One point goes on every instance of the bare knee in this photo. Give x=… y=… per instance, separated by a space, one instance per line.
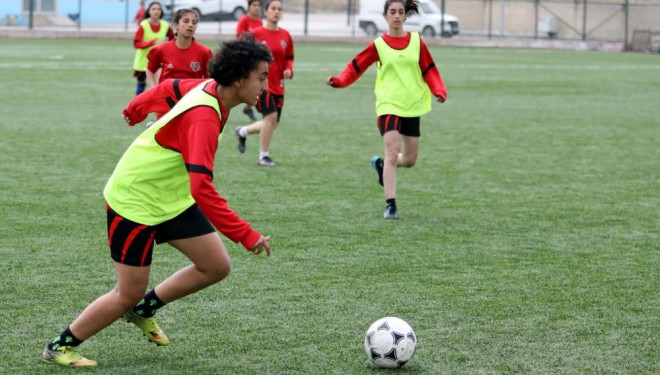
x=273 y=124
x=129 y=297
x=391 y=160
x=408 y=163
x=215 y=272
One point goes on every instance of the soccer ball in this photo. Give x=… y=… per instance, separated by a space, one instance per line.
x=390 y=342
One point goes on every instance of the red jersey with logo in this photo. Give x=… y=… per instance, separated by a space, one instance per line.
x=247 y=24
x=369 y=55
x=192 y=62
x=281 y=47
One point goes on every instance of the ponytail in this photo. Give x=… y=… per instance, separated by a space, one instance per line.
x=410 y=6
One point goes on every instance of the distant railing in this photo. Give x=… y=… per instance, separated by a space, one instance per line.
x=579 y=20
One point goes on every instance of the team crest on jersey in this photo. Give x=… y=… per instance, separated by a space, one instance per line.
x=283 y=43
x=194 y=65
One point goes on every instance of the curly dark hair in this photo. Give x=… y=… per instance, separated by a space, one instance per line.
x=237 y=58
x=411 y=6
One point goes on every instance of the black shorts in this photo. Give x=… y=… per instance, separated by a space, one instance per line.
x=132 y=243
x=269 y=103
x=404 y=125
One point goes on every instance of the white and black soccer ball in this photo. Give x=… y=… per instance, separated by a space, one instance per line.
x=390 y=342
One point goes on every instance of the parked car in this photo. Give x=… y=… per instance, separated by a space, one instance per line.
x=428 y=22
x=209 y=9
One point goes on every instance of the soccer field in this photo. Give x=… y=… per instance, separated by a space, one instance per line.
x=528 y=239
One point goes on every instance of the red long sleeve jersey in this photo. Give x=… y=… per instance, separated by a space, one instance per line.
x=192 y=62
x=195 y=134
x=137 y=39
x=281 y=47
x=369 y=55
x=247 y=24
x=158 y=99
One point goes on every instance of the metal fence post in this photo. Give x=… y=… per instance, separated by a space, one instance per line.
x=306 y=15
x=126 y=16
x=584 y=21
x=490 y=19
x=626 y=12
x=79 y=20
x=536 y=19
x=442 y=18
x=31 y=15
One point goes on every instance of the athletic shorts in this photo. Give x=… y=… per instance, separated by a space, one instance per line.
x=141 y=76
x=404 y=125
x=269 y=103
x=132 y=243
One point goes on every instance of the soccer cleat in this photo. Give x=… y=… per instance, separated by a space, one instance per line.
x=149 y=328
x=249 y=113
x=266 y=161
x=66 y=356
x=240 y=140
x=377 y=163
x=390 y=213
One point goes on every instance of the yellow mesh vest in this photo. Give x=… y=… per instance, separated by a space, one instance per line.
x=140 y=62
x=400 y=88
x=150 y=184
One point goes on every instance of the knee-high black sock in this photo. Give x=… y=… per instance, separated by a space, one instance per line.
x=149 y=304
x=65 y=339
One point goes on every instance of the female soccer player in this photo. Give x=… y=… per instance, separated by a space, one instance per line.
x=162 y=190
x=270 y=103
x=139 y=15
x=407 y=76
x=247 y=23
x=183 y=57
x=251 y=20
x=151 y=32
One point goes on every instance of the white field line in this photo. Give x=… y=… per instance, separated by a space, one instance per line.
x=308 y=66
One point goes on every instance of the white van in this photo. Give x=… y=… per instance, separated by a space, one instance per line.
x=427 y=22
x=231 y=9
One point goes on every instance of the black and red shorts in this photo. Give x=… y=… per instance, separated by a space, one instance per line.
x=132 y=243
x=404 y=125
x=269 y=103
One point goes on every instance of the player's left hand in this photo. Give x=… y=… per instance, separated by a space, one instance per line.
x=288 y=74
x=261 y=245
x=440 y=99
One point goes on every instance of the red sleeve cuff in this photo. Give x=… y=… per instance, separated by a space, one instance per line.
x=251 y=239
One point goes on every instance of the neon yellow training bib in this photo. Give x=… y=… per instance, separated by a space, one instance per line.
x=400 y=88
x=150 y=184
x=140 y=62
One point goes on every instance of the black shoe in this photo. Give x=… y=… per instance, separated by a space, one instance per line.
x=266 y=161
x=249 y=113
x=377 y=163
x=390 y=213
x=240 y=140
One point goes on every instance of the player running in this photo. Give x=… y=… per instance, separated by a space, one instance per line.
x=406 y=79
x=162 y=191
x=271 y=102
x=151 y=32
x=250 y=21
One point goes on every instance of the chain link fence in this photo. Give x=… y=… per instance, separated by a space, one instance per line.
x=632 y=23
